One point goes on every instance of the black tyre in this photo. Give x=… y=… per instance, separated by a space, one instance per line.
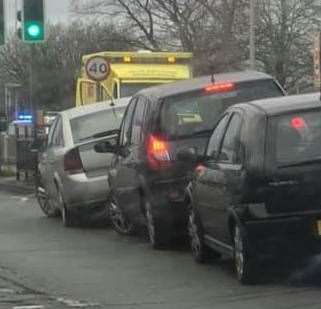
x=119 y=221
x=199 y=250
x=45 y=204
x=69 y=219
x=158 y=228
x=245 y=263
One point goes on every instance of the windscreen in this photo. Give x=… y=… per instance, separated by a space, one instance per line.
x=297 y=137
x=128 y=90
x=86 y=127
x=192 y=113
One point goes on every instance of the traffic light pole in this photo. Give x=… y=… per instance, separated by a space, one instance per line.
x=33 y=104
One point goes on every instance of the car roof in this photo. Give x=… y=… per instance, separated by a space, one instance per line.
x=93 y=108
x=175 y=88
x=283 y=105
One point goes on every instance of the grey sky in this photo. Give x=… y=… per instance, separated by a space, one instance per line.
x=57 y=10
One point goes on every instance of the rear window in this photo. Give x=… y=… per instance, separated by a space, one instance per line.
x=192 y=113
x=85 y=127
x=297 y=137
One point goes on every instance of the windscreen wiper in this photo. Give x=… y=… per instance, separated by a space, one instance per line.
x=101 y=134
x=301 y=163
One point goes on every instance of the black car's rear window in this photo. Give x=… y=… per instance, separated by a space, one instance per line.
x=297 y=137
x=190 y=113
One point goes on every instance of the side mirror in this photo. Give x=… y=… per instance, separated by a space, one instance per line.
x=188 y=155
x=105 y=147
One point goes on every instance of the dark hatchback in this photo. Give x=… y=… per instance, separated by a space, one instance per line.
x=256 y=194
x=147 y=180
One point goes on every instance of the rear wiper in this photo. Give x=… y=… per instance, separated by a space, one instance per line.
x=100 y=134
x=203 y=132
x=301 y=163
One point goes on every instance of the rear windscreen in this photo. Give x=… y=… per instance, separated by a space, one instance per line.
x=297 y=137
x=85 y=127
x=191 y=113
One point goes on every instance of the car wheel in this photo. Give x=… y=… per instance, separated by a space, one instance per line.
x=159 y=233
x=118 y=219
x=196 y=236
x=245 y=265
x=43 y=200
x=68 y=218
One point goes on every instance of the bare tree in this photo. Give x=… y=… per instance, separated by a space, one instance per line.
x=284 y=39
x=55 y=63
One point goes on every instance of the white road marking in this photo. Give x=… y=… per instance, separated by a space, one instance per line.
x=29 y=307
x=76 y=303
x=7 y=291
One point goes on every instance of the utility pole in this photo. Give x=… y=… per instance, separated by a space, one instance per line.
x=252 y=35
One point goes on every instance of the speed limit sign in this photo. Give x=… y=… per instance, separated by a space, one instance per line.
x=97 y=68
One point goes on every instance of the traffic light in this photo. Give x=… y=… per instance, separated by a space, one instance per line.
x=2 y=23
x=33 y=21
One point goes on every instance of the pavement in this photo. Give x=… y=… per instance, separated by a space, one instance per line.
x=44 y=265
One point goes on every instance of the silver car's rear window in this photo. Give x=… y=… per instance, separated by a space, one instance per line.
x=85 y=127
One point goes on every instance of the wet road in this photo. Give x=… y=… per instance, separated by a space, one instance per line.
x=96 y=268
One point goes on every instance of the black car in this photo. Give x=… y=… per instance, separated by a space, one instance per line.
x=147 y=181
x=256 y=193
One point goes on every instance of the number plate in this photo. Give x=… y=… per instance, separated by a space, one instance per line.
x=319 y=227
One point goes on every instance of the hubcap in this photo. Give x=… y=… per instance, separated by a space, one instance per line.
x=194 y=236
x=239 y=254
x=118 y=219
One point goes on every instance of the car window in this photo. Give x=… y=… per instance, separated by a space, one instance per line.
x=216 y=138
x=190 y=113
x=138 y=121
x=126 y=125
x=297 y=137
x=86 y=127
x=57 y=139
x=231 y=142
x=52 y=131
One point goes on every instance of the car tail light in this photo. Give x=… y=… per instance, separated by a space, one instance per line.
x=220 y=87
x=200 y=170
x=72 y=162
x=157 y=152
x=298 y=123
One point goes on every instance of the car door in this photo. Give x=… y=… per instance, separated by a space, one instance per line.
x=43 y=158
x=55 y=155
x=224 y=179
x=121 y=175
x=202 y=185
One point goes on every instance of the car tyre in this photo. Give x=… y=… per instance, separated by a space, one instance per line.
x=159 y=232
x=43 y=200
x=245 y=264
x=119 y=222
x=200 y=251
x=68 y=218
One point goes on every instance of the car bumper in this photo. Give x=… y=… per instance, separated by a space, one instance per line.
x=81 y=191
x=285 y=234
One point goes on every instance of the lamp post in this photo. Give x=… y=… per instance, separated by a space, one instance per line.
x=252 y=35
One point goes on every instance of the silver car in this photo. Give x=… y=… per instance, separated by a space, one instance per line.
x=72 y=177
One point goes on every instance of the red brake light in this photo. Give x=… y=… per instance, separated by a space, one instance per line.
x=222 y=87
x=157 y=152
x=72 y=162
x=200 y=170
x=298 y=123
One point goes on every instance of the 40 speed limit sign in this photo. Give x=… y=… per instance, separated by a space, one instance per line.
x=97 y=68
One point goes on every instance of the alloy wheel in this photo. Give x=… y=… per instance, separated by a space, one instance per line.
x=238 y=252
x=118 y=219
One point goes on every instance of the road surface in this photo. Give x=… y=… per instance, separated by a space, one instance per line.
x=44 y=265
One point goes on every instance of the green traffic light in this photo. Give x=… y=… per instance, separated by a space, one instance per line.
x=34 y=30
